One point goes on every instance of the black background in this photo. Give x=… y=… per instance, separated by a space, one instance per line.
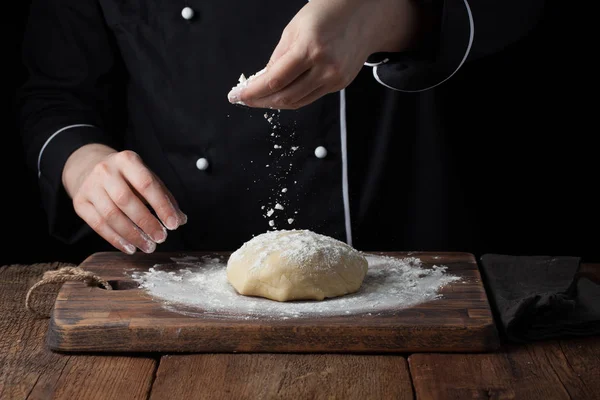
x=546 y=202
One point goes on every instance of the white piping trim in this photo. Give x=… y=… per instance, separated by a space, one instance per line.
x=52 y=137
x=370 y=64
x=343 y=141
x=471 y=36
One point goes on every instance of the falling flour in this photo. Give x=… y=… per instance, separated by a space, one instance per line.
x=283 y=146
x=279 y=202
x=199 y=287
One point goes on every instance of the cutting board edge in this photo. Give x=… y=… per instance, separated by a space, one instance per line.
x=482 y=338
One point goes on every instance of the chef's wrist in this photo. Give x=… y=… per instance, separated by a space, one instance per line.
x=81 y=162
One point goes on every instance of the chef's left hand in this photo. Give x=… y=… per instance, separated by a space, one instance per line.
x=324 y=47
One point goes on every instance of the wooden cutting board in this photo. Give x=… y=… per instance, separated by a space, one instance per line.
x=128 y=319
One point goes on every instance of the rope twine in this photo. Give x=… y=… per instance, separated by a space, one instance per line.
x=62 y=275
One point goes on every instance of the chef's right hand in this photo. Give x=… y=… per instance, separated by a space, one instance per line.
x=111 y=191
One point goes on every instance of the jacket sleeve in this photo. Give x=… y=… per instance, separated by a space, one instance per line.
x=67 y=98
x=467 y=30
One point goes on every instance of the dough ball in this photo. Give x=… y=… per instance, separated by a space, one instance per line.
x=287 y=265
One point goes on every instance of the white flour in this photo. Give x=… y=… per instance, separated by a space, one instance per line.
x=243 y=82
x=199 y=287
x=283 y=146
x=298 y=246
x=279 y=205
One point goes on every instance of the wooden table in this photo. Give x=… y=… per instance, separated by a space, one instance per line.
x=555 y=369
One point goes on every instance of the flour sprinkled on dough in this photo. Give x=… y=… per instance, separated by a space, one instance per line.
x=297 y=246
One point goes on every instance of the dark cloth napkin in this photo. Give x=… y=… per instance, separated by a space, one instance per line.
x=541 y=297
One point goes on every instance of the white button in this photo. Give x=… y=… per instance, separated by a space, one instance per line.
x=321 y=152
x=202 y=164
x=187 y=13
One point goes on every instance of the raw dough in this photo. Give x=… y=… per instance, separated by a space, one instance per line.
x=287 y=265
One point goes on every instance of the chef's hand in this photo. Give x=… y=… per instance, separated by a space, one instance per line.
x=324 y=47
x=110 y=191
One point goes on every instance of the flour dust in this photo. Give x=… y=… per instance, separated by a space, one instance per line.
x=199 y=287
x=279 y=209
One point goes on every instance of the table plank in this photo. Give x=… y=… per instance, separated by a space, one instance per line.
x=268 y=376
x=28 y=370
x=567 y=369
x=86 y=377
x=591 y=271
x=583 y=357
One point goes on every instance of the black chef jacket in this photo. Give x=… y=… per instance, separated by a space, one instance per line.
x=153 y=76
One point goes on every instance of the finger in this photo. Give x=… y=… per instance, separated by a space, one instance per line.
x=278 y=76
x=182 y=217
x=119 y=222
x=284 y=45
x=304 y=85
x=87 y=212
x=150 y=188
x=311 y=97
x=131 y=205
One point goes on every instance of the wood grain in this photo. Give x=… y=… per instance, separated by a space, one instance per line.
x=545 y=370
x=590 y=271
x=97 y=320
x=581 y=372
x=29 y=370
x=282 y=376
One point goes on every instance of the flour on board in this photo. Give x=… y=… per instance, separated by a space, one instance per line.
x=201 y=288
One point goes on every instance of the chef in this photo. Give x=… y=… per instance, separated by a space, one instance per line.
x=132 y=126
